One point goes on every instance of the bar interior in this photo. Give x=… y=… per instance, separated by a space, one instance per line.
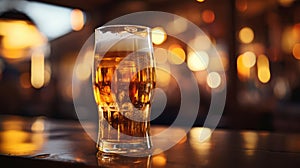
x=245 y=69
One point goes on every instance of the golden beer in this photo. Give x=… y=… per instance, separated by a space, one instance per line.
x=123 y=94
x=123 y=82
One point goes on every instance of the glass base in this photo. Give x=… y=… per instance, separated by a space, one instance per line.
x=116 y=160
x=125 y=148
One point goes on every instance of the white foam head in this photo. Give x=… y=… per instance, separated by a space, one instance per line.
x=121 y=41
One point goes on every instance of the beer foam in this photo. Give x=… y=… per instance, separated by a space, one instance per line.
x=123 y=41
x=109 y=36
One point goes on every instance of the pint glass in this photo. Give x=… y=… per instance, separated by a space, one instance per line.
x=123 y=83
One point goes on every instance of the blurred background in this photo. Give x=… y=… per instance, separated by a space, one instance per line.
x=258 y=42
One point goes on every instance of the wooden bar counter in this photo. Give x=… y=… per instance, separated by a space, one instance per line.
x=41 y=142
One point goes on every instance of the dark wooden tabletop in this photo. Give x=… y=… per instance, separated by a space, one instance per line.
x=42 y=142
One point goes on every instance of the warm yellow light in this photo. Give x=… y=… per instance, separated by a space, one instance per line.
x=197 y=61
x=263 y=69
x=286 y=3
x=38 y=125
x=200 y=142
x=243 y=71
x=246 y=35
x=77 y=19
x=200 y=134
x=262 y=61
x=250 y=142
x=18 y=37
x=20 y=34
x=176 y=54
x=18 y=142
x=14 y=54
x=208 y=16
x=200 y=0
x=263 y=74
x=37 y=69
x=213 y=80
x=16 y=34
x=249 y=59
x=159 y=160
x=296 y=51
x=158 y=35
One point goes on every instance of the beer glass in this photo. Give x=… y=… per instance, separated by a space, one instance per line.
x=123 y=84
x=108 y=160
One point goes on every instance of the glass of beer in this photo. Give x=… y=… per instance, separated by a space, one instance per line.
x=123 y=84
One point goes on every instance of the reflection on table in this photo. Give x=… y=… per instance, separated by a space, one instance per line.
x=44 y=142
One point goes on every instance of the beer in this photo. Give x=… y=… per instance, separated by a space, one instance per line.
x=123 y=81
x=123 y=84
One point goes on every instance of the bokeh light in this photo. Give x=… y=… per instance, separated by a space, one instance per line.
x=208 y=16
x=158 y=35
x=200 y=134
x=296 y=51
x=213 y=80
x=19 y=142
x=263 y=74
x=176 y=54
x=248 y=59
x=77 y=19
x=159 y=160
x=37 y=69
x=243 y=71
x=286 y=3
x=197 y=61
x=263 y=69
x=246 y=35
x=18 y=38
x=27 y=35
x=38 y=125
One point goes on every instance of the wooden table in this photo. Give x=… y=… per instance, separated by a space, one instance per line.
x=41 y=142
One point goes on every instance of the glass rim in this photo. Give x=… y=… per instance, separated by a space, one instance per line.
x=122 y=25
